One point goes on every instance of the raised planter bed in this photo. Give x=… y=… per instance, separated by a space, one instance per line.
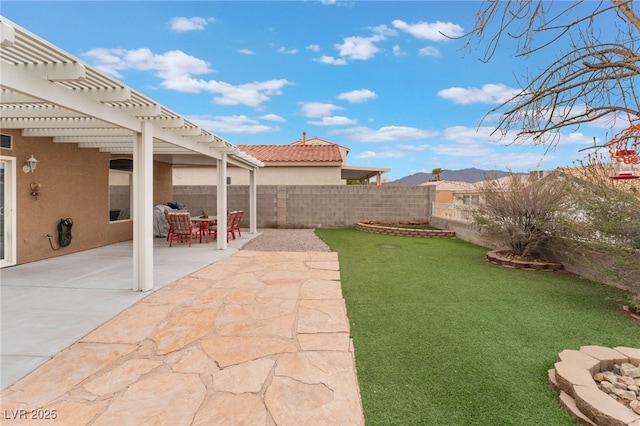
x=500 y=257
x=404 y=232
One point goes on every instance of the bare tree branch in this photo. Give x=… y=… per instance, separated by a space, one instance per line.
x=595 y=78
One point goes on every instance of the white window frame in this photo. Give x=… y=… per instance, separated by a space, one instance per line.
x=130 y=178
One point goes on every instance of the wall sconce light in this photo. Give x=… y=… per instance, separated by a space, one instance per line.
x=35 y=189
x=30 y=167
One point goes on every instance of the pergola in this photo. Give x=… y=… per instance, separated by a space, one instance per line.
x=47 y=92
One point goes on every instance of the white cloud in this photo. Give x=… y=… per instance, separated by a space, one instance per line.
x=331 y=60
x=318 y=109
x=487 y=134
x=359 y=48
x=313 y=48
x=413 y=148
x=463 y=150
x=250 y=94
x=514 y=161
x=247 y=51
x=182 y=24
x=488 y=94
x=272 y=117
x=368 y=155
x=387 y=133
x=177 y=70
x=467 y=135
x=576 y=139
x=287 y=51
x=175 y=64
x=333 y=121
x=356 y=96
x=397 y=51
x=383 y=30
x=437 y=31
x=233 y=124
x=480 y=149
x=429 y=51
x=169 y=65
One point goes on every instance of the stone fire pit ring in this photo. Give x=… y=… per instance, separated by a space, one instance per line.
x=572 y=377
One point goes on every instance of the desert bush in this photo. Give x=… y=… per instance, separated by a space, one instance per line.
x=605 y=226
x=520 y=211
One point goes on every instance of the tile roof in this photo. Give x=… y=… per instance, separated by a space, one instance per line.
x=294 y=153
x=316 y=141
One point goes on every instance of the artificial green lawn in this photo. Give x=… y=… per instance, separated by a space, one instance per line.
x=444 y=338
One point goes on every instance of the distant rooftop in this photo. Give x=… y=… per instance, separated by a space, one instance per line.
x=295 y=153
x=312 y=152
x=448 y=185
x=315 y=141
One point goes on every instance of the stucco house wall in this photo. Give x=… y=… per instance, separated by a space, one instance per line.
x=272 y=175
x=75 y=184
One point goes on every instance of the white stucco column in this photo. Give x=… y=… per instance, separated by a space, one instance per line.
x=143 y=209
x=253 y=209
x=222 y=202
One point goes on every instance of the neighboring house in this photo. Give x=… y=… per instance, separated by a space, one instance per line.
x=78 y=144
x=455 y=200
x=450 y=201
x=311 y=161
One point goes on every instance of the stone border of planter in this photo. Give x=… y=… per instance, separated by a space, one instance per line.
x=572 y=378
x=496 y=257
x=628 y=313
x=404 y=232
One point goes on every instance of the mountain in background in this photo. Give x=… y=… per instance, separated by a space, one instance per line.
x=465 y=175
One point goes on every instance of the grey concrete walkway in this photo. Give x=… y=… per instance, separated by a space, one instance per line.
x=50 y=304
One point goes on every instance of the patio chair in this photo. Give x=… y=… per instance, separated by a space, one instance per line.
x=180 y=228
x=166 y=215
x=236 y=222
x=231 y=220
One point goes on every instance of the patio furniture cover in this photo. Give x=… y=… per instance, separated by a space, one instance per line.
x=160 y=223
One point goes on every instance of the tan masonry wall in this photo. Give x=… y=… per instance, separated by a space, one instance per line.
x=321 y=206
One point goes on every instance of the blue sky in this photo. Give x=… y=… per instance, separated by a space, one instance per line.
x=375 y=76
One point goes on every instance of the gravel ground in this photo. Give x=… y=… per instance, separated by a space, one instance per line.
x=286 y=240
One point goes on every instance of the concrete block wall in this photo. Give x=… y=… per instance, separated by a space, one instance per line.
x=581 y=267
x=344 y=206
x=464 y=230
x=322 y=206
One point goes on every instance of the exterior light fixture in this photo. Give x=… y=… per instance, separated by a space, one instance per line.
x=31 y=165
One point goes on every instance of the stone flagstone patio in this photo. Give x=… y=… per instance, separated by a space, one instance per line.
x=259 y=338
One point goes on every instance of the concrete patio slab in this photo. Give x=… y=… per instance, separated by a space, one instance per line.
x=48 y=305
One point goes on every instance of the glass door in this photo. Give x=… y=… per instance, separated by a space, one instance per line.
x=7 y=211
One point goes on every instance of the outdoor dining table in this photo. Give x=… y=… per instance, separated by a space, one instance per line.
x=204 y=225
